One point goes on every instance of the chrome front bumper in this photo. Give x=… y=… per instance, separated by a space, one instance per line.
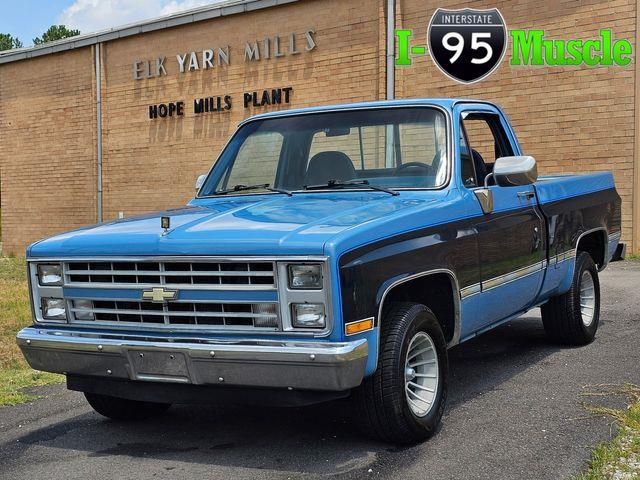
x=306 y=365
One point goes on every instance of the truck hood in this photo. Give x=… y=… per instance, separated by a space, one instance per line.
x=244 y=225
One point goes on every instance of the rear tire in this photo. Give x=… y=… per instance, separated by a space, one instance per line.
x=412 y=356
x=124 y=409
x=572 y=318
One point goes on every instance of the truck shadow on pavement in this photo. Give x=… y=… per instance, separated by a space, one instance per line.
x=318 y=439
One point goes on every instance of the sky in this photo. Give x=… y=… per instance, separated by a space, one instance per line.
x=27 y=19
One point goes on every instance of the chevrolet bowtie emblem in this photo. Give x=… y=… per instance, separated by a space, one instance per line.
x=159 y=295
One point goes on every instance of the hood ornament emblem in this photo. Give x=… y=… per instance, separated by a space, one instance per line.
x=165 y=223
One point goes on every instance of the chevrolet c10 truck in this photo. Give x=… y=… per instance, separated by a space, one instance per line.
x=330 y=252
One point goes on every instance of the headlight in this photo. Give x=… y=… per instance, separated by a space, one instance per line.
x=308 y=315
x=54 y=309
x=49 y=274
x=82 y=309
x=305 y=277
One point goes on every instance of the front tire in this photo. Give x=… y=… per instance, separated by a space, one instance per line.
x=572 y=318
x=124 y=409
x=403 y=401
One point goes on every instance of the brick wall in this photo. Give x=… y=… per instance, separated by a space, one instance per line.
x=153 y=164
x=47 y=147
x=571 y=119
x=47 y=111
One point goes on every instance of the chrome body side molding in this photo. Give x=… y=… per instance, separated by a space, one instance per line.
x=512 y=276
x=470 y=290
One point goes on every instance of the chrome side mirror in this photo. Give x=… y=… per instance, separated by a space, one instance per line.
x=200 y=181
x=515 y=171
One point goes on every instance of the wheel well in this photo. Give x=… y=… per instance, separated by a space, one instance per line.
x=436 y=291
x=594 y=244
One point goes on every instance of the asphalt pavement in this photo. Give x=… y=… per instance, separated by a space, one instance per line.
x=516 y=410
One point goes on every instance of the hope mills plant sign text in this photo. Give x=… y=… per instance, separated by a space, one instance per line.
x=222 y=103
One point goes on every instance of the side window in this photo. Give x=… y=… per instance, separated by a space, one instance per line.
x=469 y=178
x=257 y=161
x=487 y=139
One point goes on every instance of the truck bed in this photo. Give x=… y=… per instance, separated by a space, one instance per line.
x=554 y=188
x=575 y=206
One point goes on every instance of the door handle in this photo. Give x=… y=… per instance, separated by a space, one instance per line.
x=527 y=195
x=536 y=239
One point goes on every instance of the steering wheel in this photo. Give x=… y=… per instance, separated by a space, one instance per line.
x=415 y=165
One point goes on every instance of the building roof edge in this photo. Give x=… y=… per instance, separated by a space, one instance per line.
x=230 y=7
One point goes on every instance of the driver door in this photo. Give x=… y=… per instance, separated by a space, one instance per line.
x=511 y=238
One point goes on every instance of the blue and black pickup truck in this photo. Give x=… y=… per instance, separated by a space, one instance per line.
x=330 y=252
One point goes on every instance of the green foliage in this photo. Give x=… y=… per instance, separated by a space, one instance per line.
x=7 y=42
x=55 y=32
x=15 y=313
x=620 y=458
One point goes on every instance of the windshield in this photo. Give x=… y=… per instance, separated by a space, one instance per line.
x=392 y=148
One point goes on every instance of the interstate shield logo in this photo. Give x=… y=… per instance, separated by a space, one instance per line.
x=467 y=45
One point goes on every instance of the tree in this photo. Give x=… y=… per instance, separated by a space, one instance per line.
x=7 y=42
x=55 y=32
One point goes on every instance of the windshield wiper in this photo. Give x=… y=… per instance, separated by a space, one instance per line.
x=351 y=183
x=242 y=188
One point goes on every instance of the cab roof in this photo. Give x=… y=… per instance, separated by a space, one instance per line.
x=446 y=103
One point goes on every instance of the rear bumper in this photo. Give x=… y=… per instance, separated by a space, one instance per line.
x=305 y=365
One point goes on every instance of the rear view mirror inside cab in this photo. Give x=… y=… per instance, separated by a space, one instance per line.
x=337 y=132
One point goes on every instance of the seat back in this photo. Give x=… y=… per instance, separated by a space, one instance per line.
x=481 y=168
x=330 y=165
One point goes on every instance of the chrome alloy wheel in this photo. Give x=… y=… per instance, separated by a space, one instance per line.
x=587 y=298
x=421 y=374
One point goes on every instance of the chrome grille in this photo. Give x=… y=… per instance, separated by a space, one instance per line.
x=259 y=274
x=124 y=312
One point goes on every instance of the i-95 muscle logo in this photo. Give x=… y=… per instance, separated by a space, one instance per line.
x=467 y=45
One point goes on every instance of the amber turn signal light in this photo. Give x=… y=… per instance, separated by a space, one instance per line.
x=359 y=326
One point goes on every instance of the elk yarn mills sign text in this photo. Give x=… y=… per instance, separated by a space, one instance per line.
x=210 y=58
